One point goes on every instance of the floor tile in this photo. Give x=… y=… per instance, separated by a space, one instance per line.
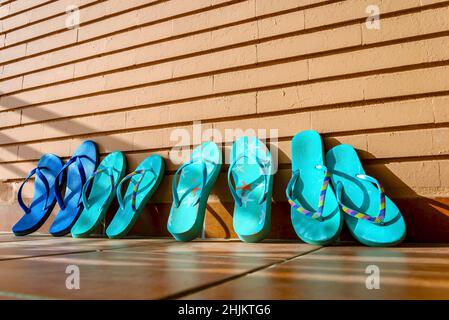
x=63 y=245
x=122 y=275
x=233 y=248
x=340 y=273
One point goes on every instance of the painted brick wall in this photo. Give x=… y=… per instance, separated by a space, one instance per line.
x=135 y=70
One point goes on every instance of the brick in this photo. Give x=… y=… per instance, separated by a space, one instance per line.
x=376 y=116
x=12 y=52
x=309 y=43
x=262 y=76
x=413 y=143
x=432 y=50
x=441 y=109
x=11 y=85
x=407 y=83
x=52 y=42
x=290 y=22
x=10 y=118
x=48 y=76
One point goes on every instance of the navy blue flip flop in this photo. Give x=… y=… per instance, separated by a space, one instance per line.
x=44 y=198
x=76 y=172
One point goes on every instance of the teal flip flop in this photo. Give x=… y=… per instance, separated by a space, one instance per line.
x=372 y=218
x=315 y=214
x=190 y=194
x=252 y=171
x=105 y=179
x=144 y=182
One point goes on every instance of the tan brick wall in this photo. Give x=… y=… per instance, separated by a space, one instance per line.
x=135 y=70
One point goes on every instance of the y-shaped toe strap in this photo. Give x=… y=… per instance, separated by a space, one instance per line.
x=108 y=171
x=81 y=171
x=359 y=215
x=38 y=172
x=263 y=166
x=296 y=204
x=140 y=172
x=176 y=199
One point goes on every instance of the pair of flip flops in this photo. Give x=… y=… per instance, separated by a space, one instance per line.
x=50 y=174
x=318 y=211
x=250 y=169
x=107 y=183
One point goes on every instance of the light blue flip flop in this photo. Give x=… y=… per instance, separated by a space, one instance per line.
x=372 y=218
x=105 y=179
x=44 y=199
x=144 y=182
x=251 y=169
x=76 y=170
x=190 y=194
x=315 y=214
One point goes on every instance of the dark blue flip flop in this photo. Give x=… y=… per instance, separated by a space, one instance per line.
x=44 y=199
x=76 y=170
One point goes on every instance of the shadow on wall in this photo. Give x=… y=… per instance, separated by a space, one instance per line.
x=427 y=219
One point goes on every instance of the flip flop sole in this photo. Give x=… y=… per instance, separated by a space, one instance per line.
x=33 y=220
x=307 y=153
x=124 y=219
x=65 y=219
x=251 y=220
x=364 y=197
x=101 y=195
x=186 y=222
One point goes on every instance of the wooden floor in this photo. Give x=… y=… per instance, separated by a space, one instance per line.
x=34 y=267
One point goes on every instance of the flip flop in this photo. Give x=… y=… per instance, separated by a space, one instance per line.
x=372 y=218
x=190 y=194
x=76 y=170
x=105 y=179
x=251 y=170
x=144 y=182
x=44 y=199
x=315 y=214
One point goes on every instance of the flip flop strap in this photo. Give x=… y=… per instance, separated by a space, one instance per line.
x=81 y=171
x=296 y=204
x=140 y=172
x=105 y=170
x=360 y=215
x=36 y=171
x=176 y=199
x=236 y=197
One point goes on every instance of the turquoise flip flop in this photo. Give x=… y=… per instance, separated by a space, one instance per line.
x=315 y=214
x=44 y=198
x=144 y=182
x=105 y=179
x=190 y=194
x=372 y=218
x=252 y=171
